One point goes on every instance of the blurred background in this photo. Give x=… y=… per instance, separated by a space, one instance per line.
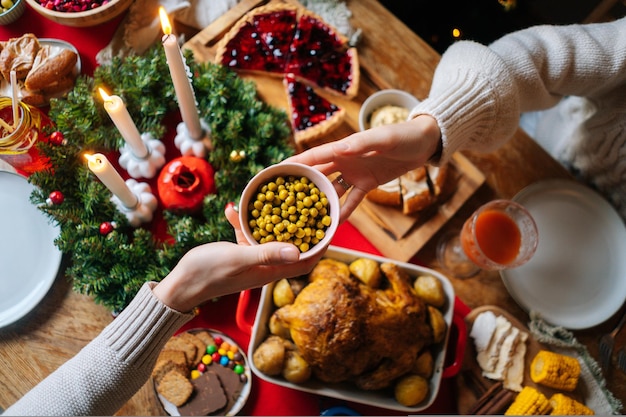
x=442 y=22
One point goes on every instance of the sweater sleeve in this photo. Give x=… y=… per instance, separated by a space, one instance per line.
x=478 y=92
x=107 y=372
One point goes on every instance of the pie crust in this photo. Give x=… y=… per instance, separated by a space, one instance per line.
x=410 y=191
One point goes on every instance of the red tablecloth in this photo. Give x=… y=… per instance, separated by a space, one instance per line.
x=265 y=398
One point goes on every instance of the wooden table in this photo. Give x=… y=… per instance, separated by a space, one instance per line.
x=396 y=57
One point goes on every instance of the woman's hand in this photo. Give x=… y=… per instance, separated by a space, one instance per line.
x=374 y=157
x=215 y=269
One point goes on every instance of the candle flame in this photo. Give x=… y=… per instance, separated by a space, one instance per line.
x=104 y=95
x=91 y=158
x=165 y=21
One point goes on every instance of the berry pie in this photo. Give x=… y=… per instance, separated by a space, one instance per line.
x=290 y=41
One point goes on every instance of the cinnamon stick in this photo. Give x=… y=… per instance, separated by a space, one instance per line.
x=484 y=399
x=499 y=403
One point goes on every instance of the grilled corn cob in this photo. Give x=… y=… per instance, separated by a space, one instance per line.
x=555 y=370
x=562 y=405
x=529 y=402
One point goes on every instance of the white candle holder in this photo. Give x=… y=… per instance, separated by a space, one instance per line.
x=190 y=146
x=147 y=166
x=143 y=211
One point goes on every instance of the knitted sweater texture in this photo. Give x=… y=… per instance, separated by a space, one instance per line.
x=478 y=93
x=107 y=372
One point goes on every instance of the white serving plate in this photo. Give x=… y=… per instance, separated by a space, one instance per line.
x=29 y=259
x=577 y=277
x=347 y=391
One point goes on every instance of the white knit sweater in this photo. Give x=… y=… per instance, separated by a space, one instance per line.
x=107 y=372
x=479 y=92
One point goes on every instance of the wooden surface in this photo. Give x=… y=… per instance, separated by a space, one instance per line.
x=395 y=57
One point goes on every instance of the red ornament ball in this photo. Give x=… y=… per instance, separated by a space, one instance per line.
x=106 y=228
x=56 y=197
x=184 y=182
x=57 y=138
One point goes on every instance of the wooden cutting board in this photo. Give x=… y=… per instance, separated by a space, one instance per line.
x=471 y=373
x=394 y=234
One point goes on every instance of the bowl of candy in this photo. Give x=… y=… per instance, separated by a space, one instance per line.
x=80 y=13
x=11 y=10
x=293 y=203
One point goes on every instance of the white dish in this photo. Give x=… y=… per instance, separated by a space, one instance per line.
x=576 y=279
x=172 y=410
x=347 y=391
x=29 y=260
x=56 y=45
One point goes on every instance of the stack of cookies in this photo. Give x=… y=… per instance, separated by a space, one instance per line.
x=196 y=381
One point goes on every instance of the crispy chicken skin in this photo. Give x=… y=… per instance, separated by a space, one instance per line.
x=348 y=331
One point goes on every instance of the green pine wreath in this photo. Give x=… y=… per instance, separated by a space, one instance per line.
x=112 y=267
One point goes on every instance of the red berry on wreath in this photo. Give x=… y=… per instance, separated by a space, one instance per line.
x=184 y=182
x=55 y=197
x=106 y=228
x=57 y=138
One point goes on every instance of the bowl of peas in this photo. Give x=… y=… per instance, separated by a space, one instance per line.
x=293 y=203
x=11 y=10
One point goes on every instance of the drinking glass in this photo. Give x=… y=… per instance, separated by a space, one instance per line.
x=499 y=235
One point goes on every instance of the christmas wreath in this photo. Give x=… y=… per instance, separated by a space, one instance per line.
x=112 y=263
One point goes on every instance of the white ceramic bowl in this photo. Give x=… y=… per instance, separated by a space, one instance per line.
x=13 y=13
x=382 y=98
x=298 y=170
x=347 y=391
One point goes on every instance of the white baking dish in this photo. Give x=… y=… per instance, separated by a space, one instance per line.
x=346 y=391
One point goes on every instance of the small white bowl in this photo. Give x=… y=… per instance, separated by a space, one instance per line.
x=13 y=13
x=298 y=170
x=388 y=97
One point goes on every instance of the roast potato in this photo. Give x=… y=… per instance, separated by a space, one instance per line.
x=430 y=289
x=283 y=294
x=296 y=369
x=411 y=389
x=424 y=364
x=438 y=323
x=367 y=271
x=269 y=357
x=278 y=328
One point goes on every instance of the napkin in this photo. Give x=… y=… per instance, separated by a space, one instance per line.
x=599 y=398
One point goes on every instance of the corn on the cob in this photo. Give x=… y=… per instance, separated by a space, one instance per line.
x=562 y=405
x=555 y=370
x=529 y=402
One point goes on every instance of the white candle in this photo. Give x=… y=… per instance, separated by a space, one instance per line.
x=100 y=165
x=121 y=118
x=182 y=83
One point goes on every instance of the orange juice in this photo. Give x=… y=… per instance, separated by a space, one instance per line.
x=497 y=235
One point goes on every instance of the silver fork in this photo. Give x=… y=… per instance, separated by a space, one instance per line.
x=607 y=342
x=621 y=359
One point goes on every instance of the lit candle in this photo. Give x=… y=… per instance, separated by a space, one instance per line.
x=182 y=83
x=119 y=114
x=100 y=165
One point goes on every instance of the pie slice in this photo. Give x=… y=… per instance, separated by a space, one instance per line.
x=321 y=55
x=411 y=190
x=283 y=38
x=260 y=40
x=311 y=115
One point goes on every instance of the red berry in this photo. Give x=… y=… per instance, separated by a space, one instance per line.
x=106 y=228
x=56 y=197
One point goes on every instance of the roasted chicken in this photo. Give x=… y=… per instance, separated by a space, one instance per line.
x=348 y=331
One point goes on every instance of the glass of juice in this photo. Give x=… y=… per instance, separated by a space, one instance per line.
x=499 y=235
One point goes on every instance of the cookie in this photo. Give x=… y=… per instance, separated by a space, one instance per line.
x=188 y=348
x=175 y=388
x=169 y=360
x=198 y=343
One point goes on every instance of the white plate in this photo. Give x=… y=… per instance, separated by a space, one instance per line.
x=29 y=260
x=172 y=410
x=55 y=45
x=577 y=277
